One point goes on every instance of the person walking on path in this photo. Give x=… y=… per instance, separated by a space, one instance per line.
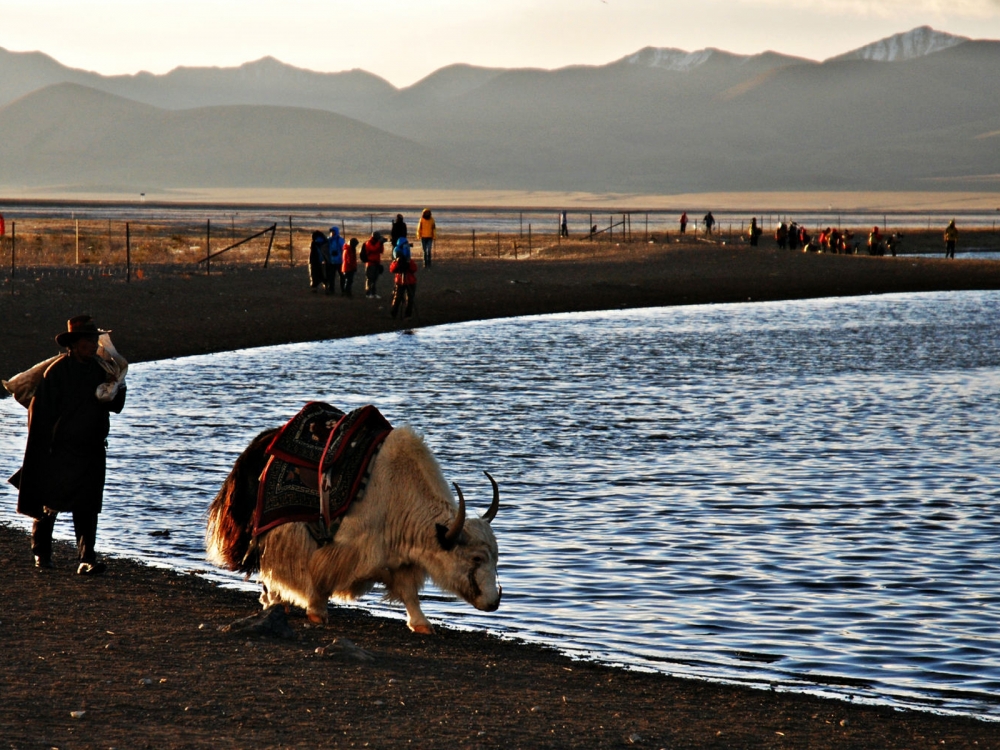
x=66 y=452
x=398 y=230
x=781 y=236
x=349 y=267
x=875 y=242
x=950 y=238
x=709 y=223
x=371 y=256
x=405 y=277
x=334 y=259
x=317 y=258
x=684 y=222
x=427 y=232
x=755 y=232
x=563 y=226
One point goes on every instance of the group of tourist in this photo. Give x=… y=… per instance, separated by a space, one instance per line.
x=333 y=262
x=791 y=236
x=833 y=240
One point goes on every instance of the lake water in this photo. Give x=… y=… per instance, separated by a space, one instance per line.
x=360 y=220
x=801 y=495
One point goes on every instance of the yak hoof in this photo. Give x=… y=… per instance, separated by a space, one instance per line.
x=316 y=618
x=424 y=628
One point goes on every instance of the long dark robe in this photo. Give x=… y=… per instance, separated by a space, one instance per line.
x=65 y=457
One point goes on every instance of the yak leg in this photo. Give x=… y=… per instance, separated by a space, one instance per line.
x=319 y=597
x=330 y=570
x=286 y=566
x=404 y=584
x=415 y=618
x=268 y=598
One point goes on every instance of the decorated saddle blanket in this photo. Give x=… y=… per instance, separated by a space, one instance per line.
x=303 y=437
x=318 y=465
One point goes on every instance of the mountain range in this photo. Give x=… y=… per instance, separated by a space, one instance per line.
x=914 y=111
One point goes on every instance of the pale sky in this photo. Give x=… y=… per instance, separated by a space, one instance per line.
x=404 y=40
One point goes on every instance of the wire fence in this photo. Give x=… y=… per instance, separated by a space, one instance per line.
x=132 y=242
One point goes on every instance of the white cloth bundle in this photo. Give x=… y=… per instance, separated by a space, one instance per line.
x=23 y=385
x=114 y=364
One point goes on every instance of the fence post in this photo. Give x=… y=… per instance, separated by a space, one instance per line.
x=529 y=240
x=13 y=252
x=498 y=245
x=77 y=242
x=128 y=254
x=473 y=244
x=291 y=246
x=208 y=248
x=270 y=243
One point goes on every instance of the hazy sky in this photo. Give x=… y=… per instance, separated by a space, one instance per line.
x=404 y=40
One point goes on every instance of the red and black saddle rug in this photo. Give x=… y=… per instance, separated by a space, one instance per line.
x=320 y=448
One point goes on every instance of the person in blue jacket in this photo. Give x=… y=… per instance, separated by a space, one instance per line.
x=334 y=259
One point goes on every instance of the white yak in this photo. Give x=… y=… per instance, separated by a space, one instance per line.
x=404 y=528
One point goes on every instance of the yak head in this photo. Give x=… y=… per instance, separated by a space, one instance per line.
x=467 y=562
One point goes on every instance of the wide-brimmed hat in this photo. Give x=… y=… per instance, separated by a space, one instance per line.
x=81 y=325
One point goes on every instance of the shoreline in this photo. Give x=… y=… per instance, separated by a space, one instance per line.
x=183 y=312
x=95 y=663
x=140 y=651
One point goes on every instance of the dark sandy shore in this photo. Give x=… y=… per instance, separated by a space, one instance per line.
x=140 y=651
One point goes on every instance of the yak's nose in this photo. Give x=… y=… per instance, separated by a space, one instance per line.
x=496 y=605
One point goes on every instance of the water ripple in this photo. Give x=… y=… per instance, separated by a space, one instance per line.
x=798 y=493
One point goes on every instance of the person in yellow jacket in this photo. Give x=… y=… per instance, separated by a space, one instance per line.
x=950 y=237
x=427 y=232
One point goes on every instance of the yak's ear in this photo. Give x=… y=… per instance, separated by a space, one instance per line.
x=442 y=534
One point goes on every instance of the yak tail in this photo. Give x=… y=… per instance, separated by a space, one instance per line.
x=229 y=534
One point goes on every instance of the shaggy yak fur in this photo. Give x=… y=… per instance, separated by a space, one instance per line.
x=404 y=528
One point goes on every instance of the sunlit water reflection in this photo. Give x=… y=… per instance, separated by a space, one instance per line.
x=800 y=494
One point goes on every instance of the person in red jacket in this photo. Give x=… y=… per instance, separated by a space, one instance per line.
x=348 y=267
x=371 y=256
x=405 y=277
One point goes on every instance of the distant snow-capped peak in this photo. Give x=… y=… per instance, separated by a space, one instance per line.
x=670 y=59
x=919 y=42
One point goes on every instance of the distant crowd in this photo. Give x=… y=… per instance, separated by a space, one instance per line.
x=334 y=261
x=791 y=236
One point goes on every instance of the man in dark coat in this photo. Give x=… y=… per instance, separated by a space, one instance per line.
x=65 y=456
x=398 y=230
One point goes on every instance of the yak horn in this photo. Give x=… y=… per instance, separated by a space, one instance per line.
x=451 y=536
x=491 y=512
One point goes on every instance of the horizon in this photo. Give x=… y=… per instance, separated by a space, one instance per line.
x=125 y=37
